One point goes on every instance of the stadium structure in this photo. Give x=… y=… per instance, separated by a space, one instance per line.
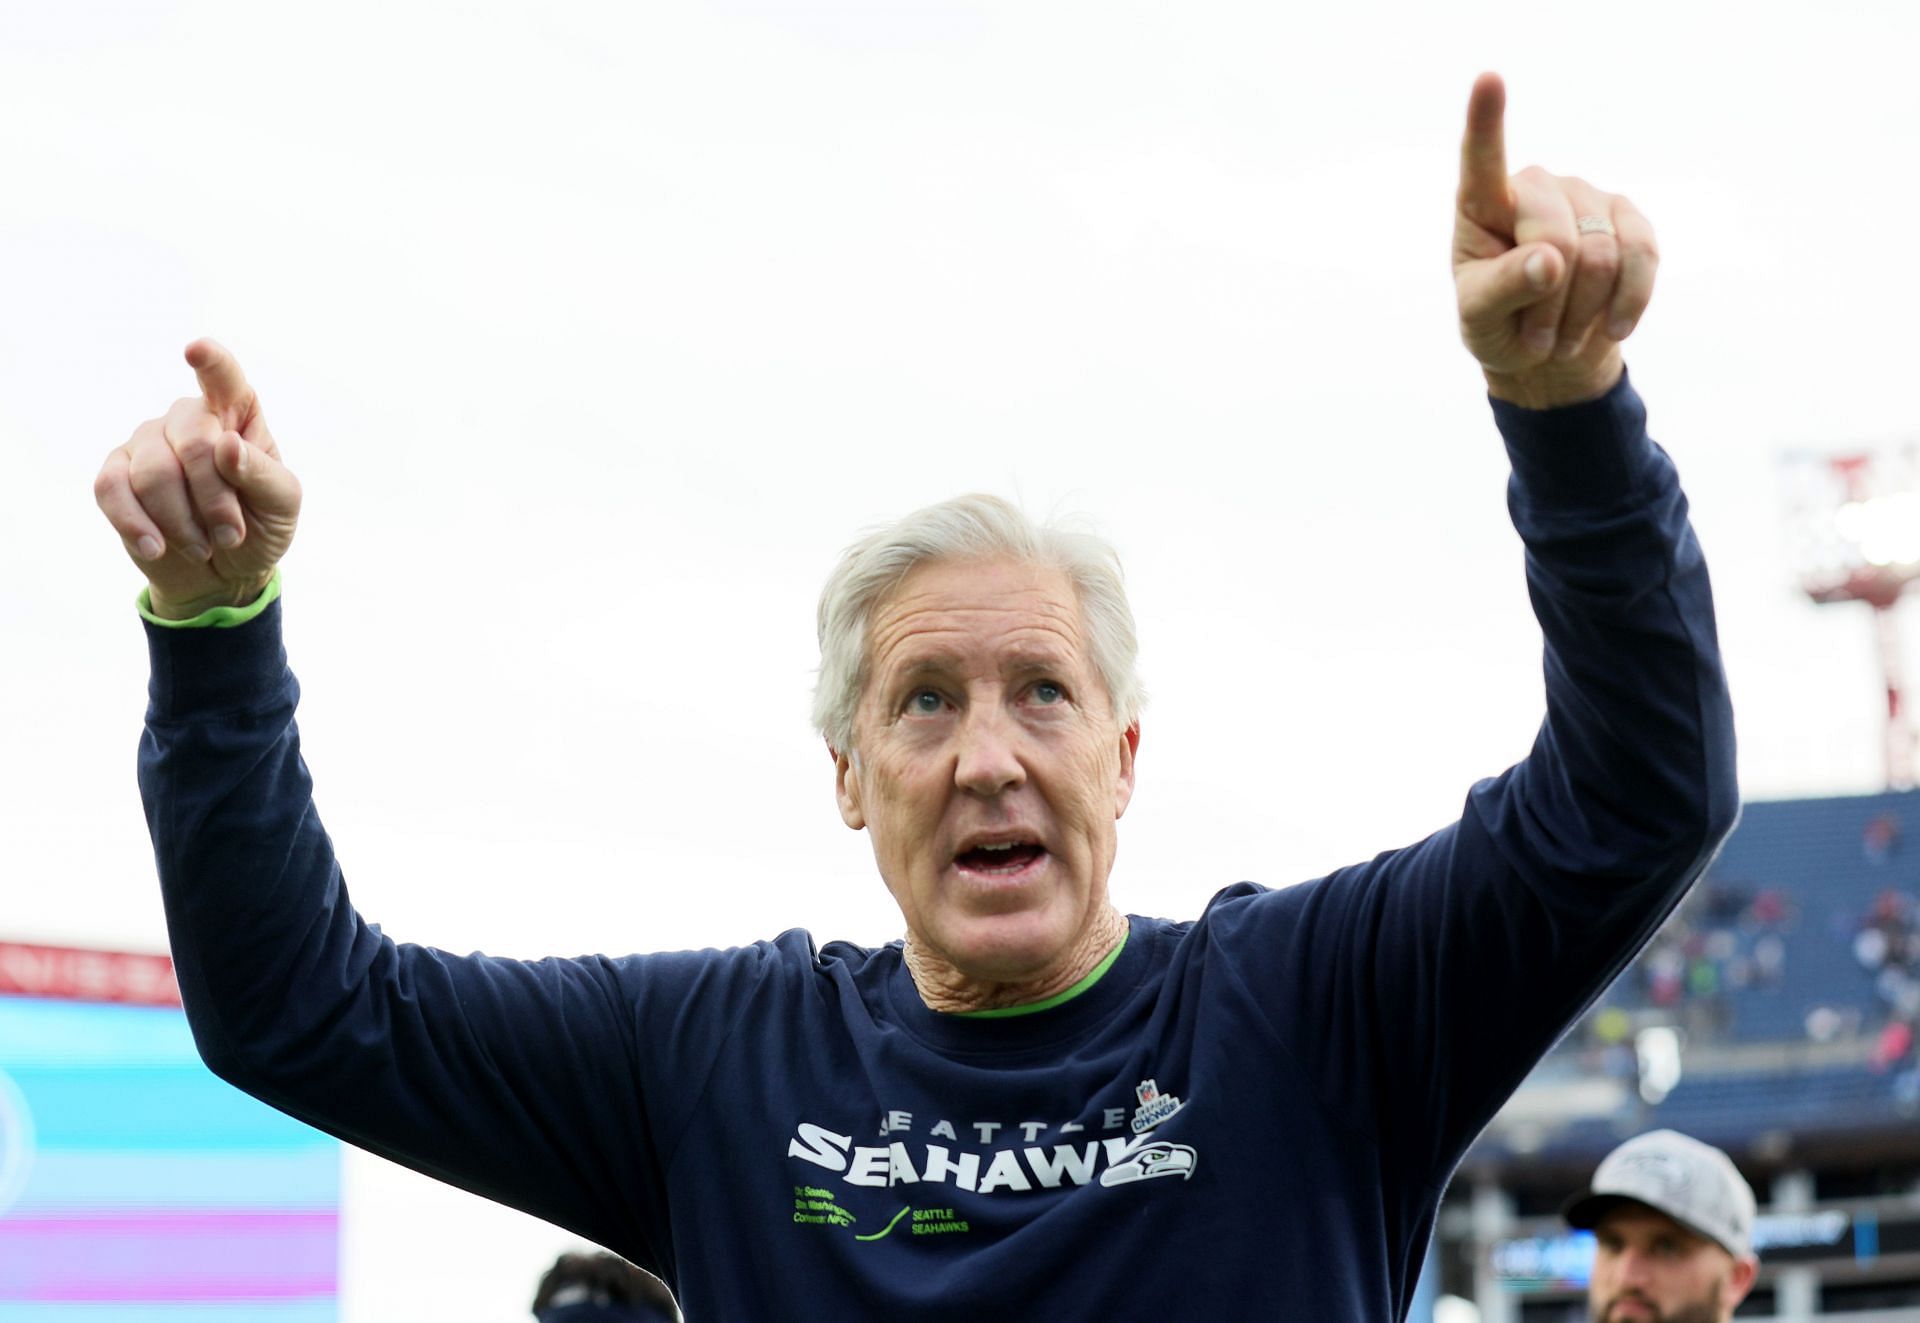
x=134 y=1186
x=1773 y=1015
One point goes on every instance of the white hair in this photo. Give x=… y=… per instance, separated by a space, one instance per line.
x=972 y=527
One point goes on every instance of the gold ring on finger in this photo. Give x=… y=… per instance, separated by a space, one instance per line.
x=1593 y=225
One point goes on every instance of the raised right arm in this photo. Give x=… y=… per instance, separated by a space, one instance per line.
x=519 y=1081
x=528 y=1083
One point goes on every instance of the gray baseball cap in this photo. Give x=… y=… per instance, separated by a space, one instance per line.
x=1693 y=1183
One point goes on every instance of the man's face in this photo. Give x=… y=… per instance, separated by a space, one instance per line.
x=1647 y=1268
x=990 y=767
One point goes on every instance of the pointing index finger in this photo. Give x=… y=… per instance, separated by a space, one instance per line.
x=1485 y=195
x=221 y=381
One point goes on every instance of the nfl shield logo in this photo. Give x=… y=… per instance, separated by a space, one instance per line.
x=1154 y=1108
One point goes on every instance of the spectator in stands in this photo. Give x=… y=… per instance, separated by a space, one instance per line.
x=602 y=1288
x=1672 y=1219
x=1887 y=946
x=1894 y=1053
x=1892 y=917
x=1892 y=1046
x=1770 y=909
x=1769 y=959
x=1881 y=839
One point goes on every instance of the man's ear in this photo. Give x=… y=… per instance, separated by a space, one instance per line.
x=1740 y=1280
x=846 y=788
x=1123 y=787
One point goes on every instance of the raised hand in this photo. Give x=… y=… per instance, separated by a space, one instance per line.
x=200 y=498
x=1551 y=273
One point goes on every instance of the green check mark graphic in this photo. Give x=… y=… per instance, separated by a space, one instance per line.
x=888 y=1227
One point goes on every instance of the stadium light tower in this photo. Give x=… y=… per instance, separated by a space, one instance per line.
x=1856 y=525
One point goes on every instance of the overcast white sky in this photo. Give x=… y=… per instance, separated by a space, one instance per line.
x=596 y=332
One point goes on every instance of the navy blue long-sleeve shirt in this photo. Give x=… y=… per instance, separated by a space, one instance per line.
x=1250 y=1115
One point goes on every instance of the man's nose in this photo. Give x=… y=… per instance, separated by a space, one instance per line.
x=1632 y=1268
x=989 y=754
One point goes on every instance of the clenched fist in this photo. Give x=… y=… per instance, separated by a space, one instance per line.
x=1551 y=273
x=200 y=498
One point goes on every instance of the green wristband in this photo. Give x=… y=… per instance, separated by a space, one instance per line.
x=214 y=617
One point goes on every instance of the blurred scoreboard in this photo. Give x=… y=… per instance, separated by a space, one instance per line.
x=134 y=1186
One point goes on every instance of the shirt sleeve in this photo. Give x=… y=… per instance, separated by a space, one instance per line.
x=1421 y=987
x=558 y=1086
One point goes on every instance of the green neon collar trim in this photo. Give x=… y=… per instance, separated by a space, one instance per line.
x=214 y=617
x=1058 y=998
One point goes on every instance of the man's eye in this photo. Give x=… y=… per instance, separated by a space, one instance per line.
x=925 y=703
x=1048 y=692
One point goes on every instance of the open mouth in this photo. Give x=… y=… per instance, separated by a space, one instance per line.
x=1004 y=859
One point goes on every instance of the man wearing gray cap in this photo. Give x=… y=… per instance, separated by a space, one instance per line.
x=1672 y=1220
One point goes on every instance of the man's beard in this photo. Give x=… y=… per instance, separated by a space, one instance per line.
x=1704 y=1310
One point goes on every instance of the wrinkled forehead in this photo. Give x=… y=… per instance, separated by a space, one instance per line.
x=973 y=613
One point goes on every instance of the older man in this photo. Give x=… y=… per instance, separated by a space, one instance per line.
x=1672 y=1221
x=1033 y=1106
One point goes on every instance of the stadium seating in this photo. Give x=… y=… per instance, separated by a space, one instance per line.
x=1793 y=1038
